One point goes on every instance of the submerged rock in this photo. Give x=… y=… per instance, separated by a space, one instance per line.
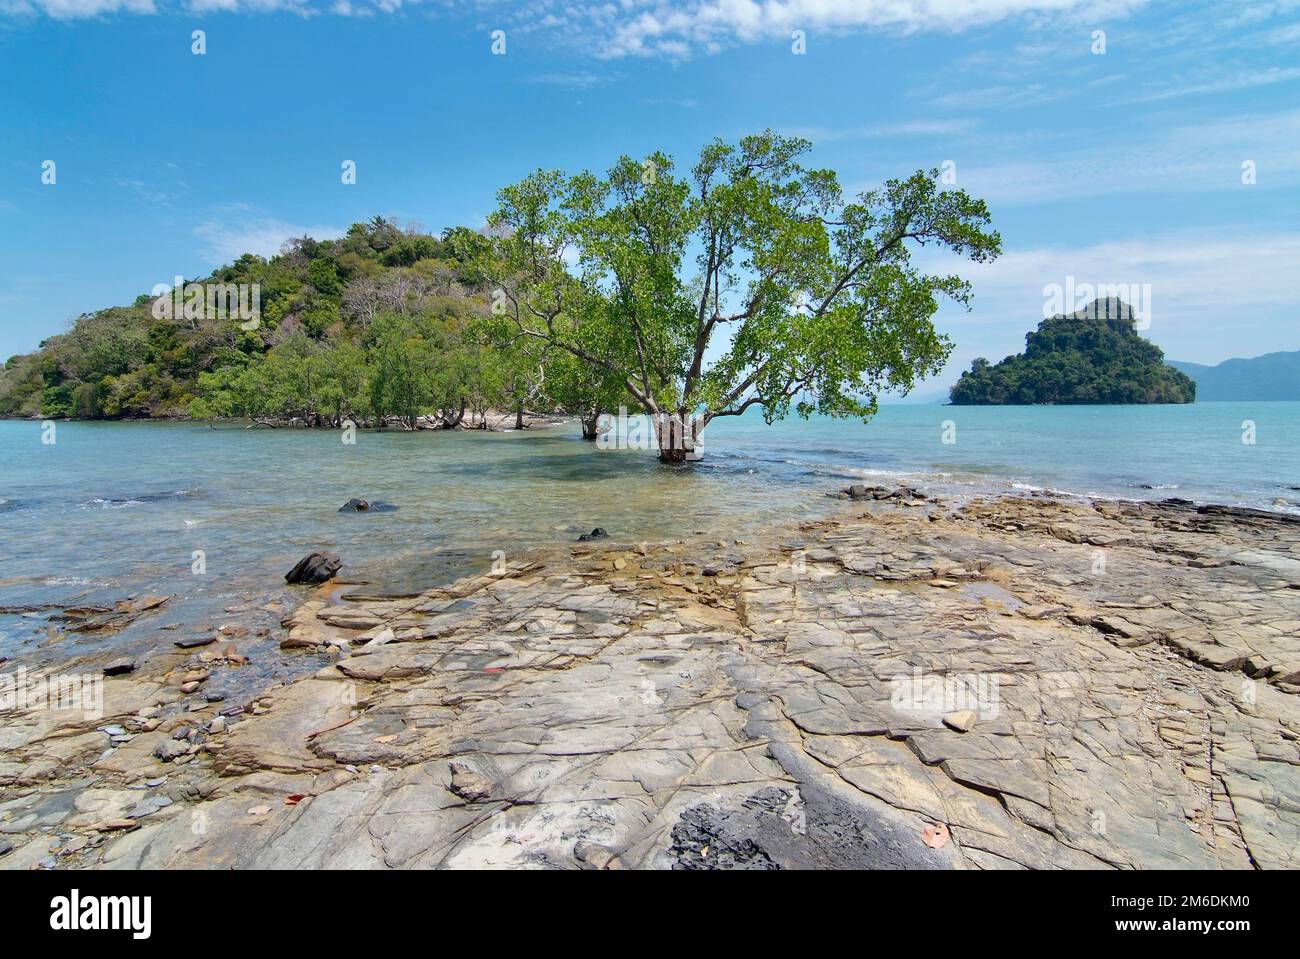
x=314 y=568
x=366 y=506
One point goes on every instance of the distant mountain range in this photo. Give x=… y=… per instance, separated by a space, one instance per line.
x=1273 y=376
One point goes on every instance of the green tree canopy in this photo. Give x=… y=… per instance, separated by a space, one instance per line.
x=747 y=281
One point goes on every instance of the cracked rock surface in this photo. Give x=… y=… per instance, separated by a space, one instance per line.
x=1060 y=684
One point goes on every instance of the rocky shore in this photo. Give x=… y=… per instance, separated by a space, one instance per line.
x=1016 y=682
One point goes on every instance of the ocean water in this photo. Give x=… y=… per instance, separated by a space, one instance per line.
x=117 y=509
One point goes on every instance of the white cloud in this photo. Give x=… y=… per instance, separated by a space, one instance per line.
x=240 y=230
x=906 y=128
x=577 y=79
x=649 y=28
x=76 y=9
x=675 y=29
x=303 y=8
x=1228 y=83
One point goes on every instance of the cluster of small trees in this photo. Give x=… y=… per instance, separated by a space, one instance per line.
x=385 y=326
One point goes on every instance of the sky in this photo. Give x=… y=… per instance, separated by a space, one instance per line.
x=1112 y=139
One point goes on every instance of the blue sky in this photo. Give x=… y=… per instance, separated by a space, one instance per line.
x=1122 y=167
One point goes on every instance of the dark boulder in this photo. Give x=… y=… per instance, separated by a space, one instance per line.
x=366 y=506
x=596 y=533
x=314 y=568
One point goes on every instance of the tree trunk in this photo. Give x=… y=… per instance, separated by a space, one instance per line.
x=589 y=423
x=519 y=417
x=679 y=437
x=453 y=420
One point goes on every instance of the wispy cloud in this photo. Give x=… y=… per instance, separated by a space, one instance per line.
x=906 y=128
x=630 y=28
x=239 y=229
x=1161 y=155
x=75 y=9
x=649 y=28
x=1224 y=83
x=577 y=79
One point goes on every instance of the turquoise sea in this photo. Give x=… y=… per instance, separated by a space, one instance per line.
x=116 y=509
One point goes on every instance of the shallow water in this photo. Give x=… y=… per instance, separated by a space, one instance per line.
x=114 y=509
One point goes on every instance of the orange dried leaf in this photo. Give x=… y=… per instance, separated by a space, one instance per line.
x=935 y=836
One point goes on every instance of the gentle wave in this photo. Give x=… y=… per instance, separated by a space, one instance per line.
x=106 y=502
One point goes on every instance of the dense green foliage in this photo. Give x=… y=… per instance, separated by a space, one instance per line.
x=747 y=280
x=382 y=325
x=1094 y=356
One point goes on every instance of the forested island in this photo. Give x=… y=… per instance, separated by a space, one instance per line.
x=1093 y=356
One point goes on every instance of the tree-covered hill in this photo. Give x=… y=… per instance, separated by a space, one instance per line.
x=385 y=323
x=1093 y=356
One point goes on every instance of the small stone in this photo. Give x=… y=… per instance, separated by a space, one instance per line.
x=467 y=784
x=217 y=726
x=115 y=825
x=194 y=643
x=147 y=807
x=169 y=750
x=962 y=720
x=120 y=667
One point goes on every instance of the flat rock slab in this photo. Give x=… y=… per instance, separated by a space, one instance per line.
x=1019 y=683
